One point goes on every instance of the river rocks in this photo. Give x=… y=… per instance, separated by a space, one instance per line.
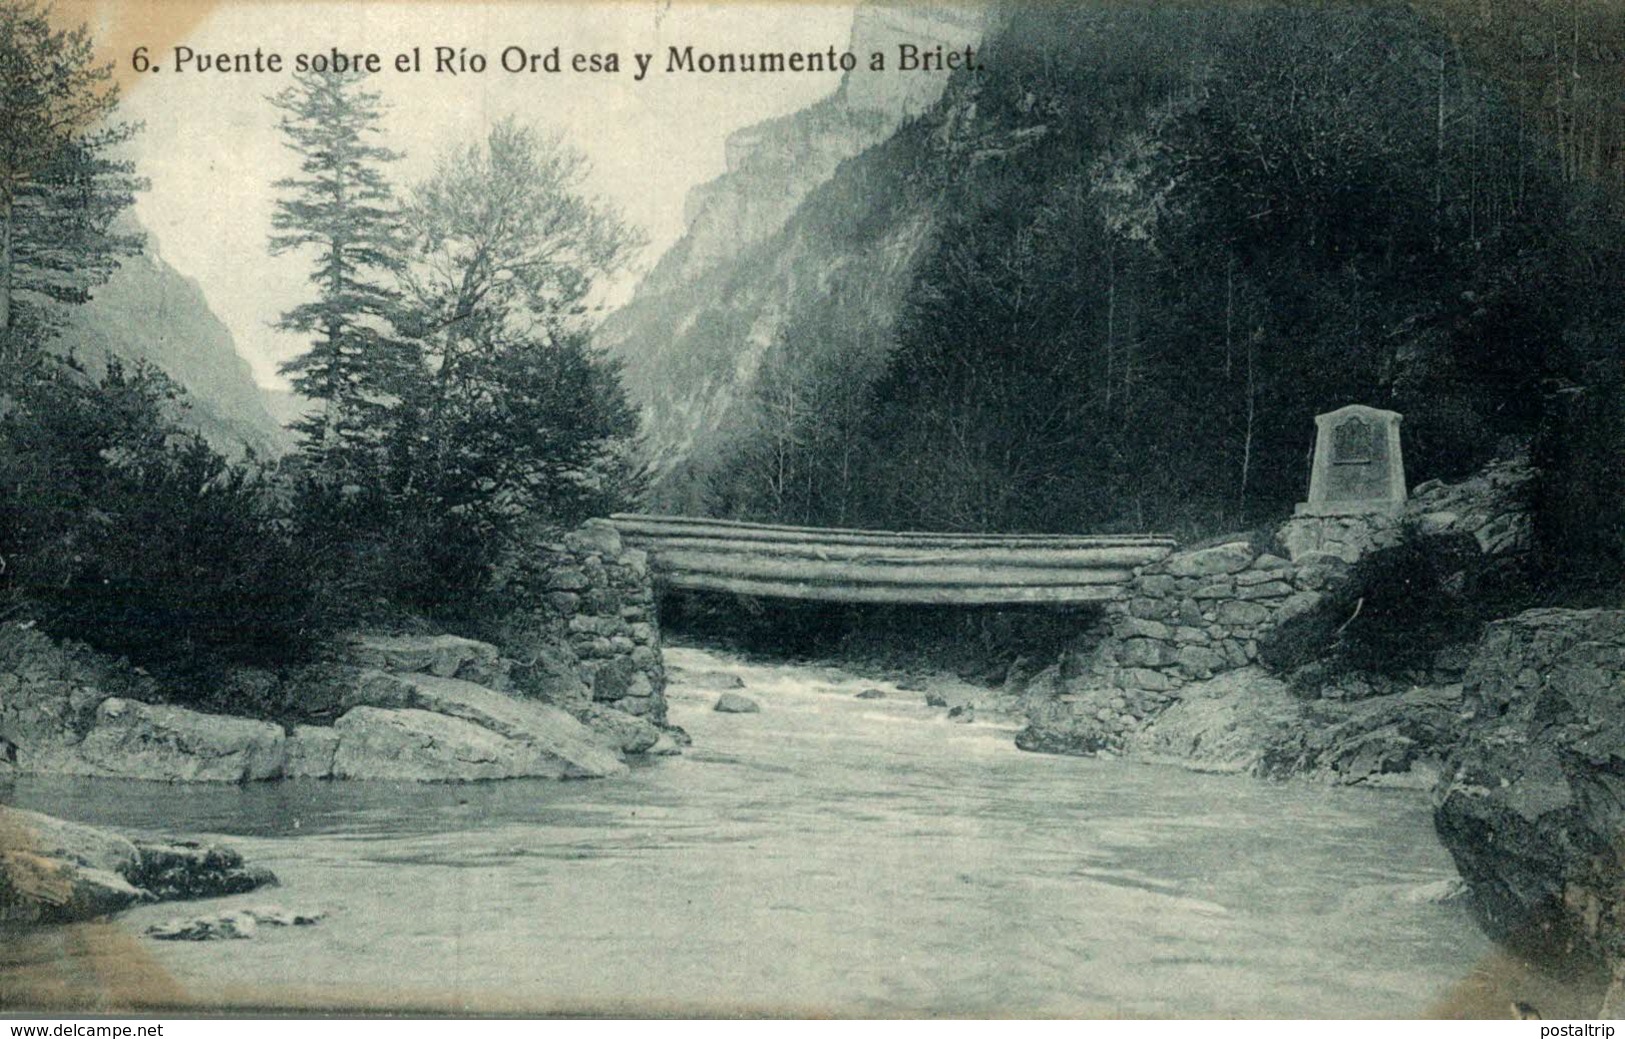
x=234 y=924
x=310 y=750
x=444 y=656
x=54 y=838
x=1226 y=724
x=53 y=871
x=220 y=926
x=733 y=703
x=433 y=728
x=548 y=730
x=56 y=715
x=190 y=869
x=665 y=746
x=35 y=889
x=625 y=732
x=1395 y=739
x=425 y=746
x=165 y=743
x=420 y=746
x=1533 y=805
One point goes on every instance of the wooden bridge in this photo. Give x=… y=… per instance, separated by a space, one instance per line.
x=879 y=566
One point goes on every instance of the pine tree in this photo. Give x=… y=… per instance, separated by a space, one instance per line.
x=60 y=188
x=341 y=207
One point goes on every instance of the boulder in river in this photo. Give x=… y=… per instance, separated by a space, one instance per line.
x=217 y=927
x=626 y=733
x=550 y=730
x=54 y=871
x=53 y=838
x=1225 y=724
x=134 y=740
x=424 y=746
x=234 y=924
x=180 y=869
x=36 y=889
x=733 y=703
x=1532 y=807
x=664 y=747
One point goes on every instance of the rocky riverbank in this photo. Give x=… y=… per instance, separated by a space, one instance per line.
x=571 y=684
x=53 y=871
x=1315 y=650
x=1533 y=804
x=422 y=708
x=1354 y=650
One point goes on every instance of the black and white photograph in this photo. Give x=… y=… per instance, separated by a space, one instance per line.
x=869 y=509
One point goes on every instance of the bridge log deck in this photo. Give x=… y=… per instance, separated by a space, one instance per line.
x=873 y=566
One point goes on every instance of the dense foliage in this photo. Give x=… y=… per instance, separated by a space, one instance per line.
x=1401 y=606
x=460 y=415
x=1151 y=264
x=125 y=529
x=460 y=406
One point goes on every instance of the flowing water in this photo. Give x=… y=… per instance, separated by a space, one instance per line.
x=828 y=855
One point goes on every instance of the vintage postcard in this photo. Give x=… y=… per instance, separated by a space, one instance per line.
x=867 y=509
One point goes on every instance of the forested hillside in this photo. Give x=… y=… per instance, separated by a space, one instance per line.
x=1106 y=283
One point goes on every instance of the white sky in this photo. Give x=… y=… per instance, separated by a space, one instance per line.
x=211 y=148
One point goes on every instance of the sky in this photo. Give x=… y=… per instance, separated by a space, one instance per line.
x=211 y=146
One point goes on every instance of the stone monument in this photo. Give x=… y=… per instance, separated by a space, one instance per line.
x=1358 y=467
x=1356 y=486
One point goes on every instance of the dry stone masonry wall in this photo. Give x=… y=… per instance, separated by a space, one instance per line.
x=1193 y=615
x=599 y=598
x=1201 y=613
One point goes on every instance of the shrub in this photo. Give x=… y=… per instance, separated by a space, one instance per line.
x=130 y=533
x=1399 y=606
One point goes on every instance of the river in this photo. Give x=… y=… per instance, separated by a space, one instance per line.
x=829 y=855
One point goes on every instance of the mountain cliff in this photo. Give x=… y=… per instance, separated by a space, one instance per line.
x=695 y=331
x=149 y=311
x=1107 y=280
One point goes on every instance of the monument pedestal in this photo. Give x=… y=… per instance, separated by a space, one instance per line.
x=1356 y=486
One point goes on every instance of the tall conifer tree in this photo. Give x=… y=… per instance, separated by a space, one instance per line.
x=341 y=208
x=60 y=184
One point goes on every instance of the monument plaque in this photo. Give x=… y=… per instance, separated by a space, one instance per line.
x=1358 y=467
